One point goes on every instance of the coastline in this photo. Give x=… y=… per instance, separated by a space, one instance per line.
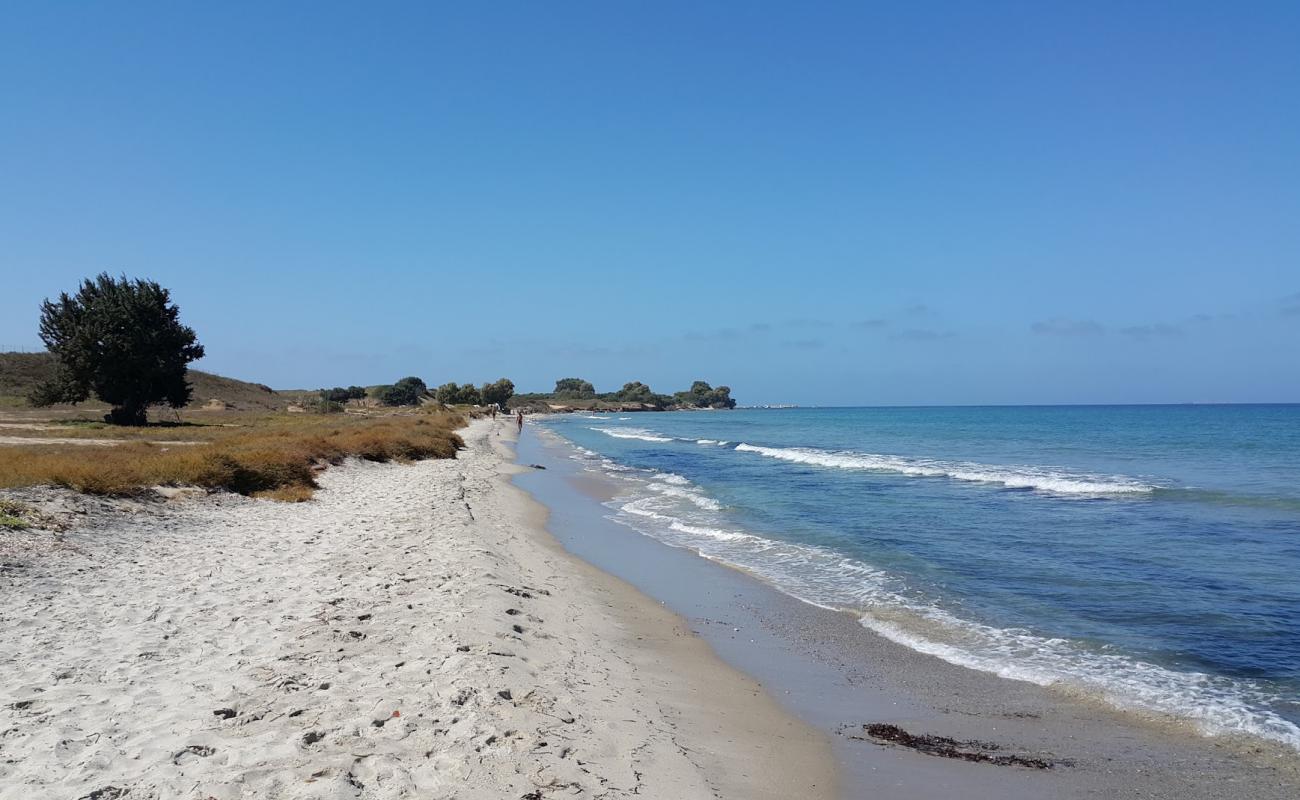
x=412 y=632
x=838 y=676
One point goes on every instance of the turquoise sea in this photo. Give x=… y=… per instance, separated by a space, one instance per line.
x=1147 y=555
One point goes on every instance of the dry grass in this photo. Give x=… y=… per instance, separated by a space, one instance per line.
x=270 y=455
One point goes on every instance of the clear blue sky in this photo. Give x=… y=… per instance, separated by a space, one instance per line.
x=911 y=202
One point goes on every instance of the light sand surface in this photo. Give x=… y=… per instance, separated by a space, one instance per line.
x=412 y=632
x=23 y=441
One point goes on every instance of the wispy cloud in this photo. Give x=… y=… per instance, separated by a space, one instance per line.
x=1060 y=326
x=1160 y=330
x=923 y=335
x=805 y=344
x=717 y=335
x=871 y=323
x=1290 y=305
x=808 y=322
x=598 y=351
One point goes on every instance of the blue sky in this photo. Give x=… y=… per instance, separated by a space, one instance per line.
x=858 y=203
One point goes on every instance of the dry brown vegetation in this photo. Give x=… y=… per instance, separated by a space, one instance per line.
x=271 y=455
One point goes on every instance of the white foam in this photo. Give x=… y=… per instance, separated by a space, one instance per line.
x=1042 y=479
x=633 y=433
x=1216 y=705
x=693 y=497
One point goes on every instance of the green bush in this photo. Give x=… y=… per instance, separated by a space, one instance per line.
x=340 y=394
x=406 y=392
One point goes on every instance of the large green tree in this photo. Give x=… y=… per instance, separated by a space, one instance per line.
x=468 y=394
x=406 y=392
x=120 y=340
x=702 y=395
x=498 y=392
x=574 y=388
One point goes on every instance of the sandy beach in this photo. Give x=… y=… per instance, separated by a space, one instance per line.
x=411 y=632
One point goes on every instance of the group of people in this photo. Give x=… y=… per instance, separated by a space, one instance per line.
x=519 y=417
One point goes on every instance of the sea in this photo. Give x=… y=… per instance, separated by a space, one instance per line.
x=1147 y=556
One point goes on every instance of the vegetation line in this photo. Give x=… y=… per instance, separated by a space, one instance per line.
x=272 y=456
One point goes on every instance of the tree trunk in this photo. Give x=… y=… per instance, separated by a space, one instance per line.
x=130 y=414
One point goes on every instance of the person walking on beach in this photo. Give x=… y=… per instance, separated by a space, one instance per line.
x=520 y=419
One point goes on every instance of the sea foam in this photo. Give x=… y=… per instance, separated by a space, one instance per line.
x=1043 y=479
x=633 y=433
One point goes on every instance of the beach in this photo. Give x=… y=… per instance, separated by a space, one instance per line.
x=480 y=627
x=413 y=631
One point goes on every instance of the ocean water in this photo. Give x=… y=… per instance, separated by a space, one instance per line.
x=1145 y=555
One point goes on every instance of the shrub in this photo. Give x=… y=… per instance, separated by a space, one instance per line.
x=340 y=394
x=406 y=392
x=13 y=515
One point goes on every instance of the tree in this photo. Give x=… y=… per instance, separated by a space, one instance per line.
x=406 y=392
x=340 y=394
x=467 y=395
x=636 y=392
x=702 y=395
x=574 y=389
x=122 y=341
x=722 y=398
x=499 y=392
x=446 y=393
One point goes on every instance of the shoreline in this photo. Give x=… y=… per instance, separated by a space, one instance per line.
x=838 y=675
x=414 y=631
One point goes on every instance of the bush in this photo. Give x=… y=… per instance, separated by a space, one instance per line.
x=13 y=515
x=323 y=405
x=406 y=392
x=340 y=394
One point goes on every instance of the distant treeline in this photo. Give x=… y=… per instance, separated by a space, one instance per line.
x=579 y=393
x=412 y=391
x=571 y=392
